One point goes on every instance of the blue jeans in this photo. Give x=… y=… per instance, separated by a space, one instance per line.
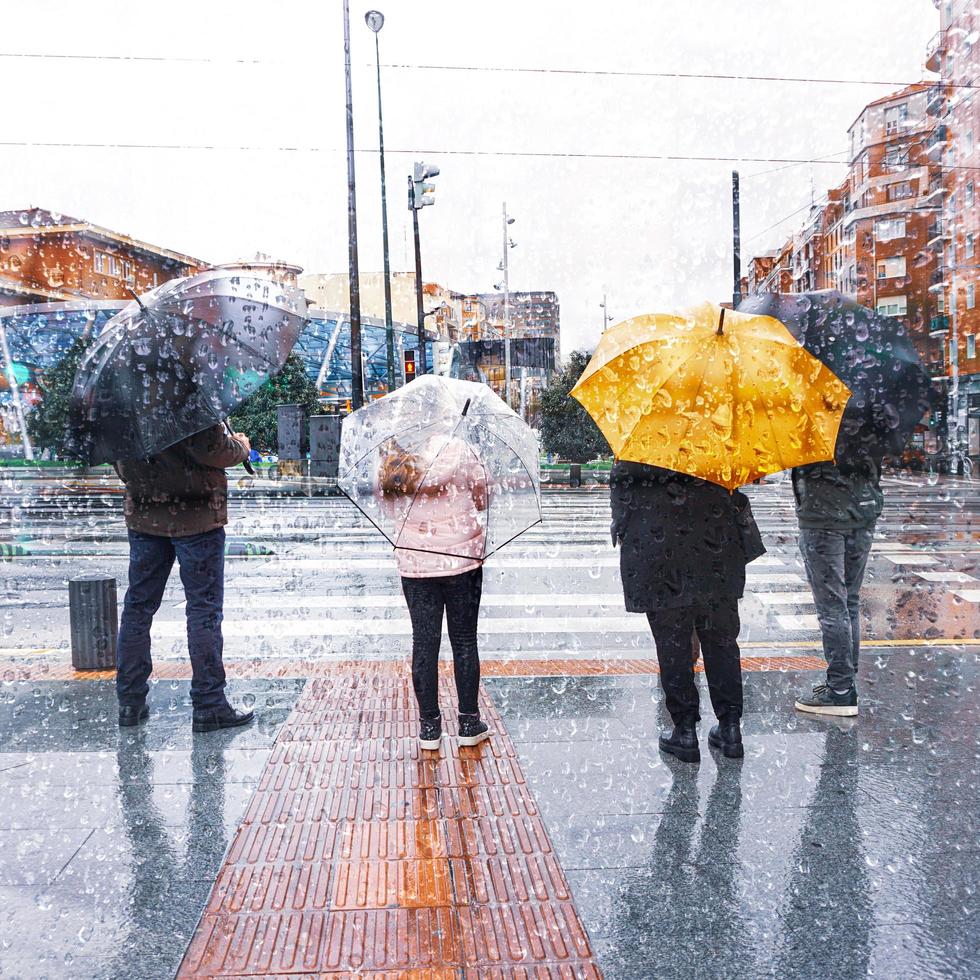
x=202 y=572
x=835 y=562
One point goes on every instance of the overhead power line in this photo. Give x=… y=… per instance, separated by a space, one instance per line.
x=505 y=69
x=544 y=154
x=433 y=152
x=682 y=75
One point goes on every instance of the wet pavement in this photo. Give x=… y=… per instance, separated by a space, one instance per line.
x=836 y=848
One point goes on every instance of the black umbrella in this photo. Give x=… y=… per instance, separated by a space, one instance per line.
x=872 y=354
x=182 y=358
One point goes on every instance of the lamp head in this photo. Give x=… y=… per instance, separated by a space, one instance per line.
x=375 y=20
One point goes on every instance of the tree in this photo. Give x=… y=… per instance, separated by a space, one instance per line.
x=47 y=422
x=566 y=428
x=257 y=416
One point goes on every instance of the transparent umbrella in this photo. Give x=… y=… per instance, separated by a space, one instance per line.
x=183 y=357
x=442 y=466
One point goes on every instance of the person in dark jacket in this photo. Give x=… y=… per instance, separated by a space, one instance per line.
x=683 y=564
x=837 y=507
x=176 y=508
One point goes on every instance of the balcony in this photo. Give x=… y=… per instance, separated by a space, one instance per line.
x=939 y=325
x=937 y=278
x=935 y=50
x=936 y=99
x=937 y=232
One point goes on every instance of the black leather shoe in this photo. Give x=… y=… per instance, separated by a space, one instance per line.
x=132 y=714
x=727 y=736
x=682 y=742
x=213 y=719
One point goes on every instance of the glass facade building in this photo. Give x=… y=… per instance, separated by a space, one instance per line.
x=39 y=336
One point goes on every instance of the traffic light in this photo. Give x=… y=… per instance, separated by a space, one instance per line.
x=409 y=358
x=422 y=189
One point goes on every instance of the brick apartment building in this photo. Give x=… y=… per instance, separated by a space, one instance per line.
x=955 y=55
x=48 y=258
x=888 y=235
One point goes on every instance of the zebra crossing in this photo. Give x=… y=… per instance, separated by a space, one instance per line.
x=330 y=588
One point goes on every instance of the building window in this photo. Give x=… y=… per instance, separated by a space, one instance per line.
x=892 y=267
x=971 y=296
x=968 y=247
x=897 y=157
x=896 y=117
x=100 y=262
x=969 y=193
x=115 y=266
x=889 y=229
x=971 y=345
x=899 y=191
x=941 y=303
x=893 y=306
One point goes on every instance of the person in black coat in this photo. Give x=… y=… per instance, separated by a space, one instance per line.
x=683 y=561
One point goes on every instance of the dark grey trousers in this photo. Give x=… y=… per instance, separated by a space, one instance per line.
x=835 y=562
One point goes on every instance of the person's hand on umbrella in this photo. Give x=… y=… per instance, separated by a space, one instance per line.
x=243 y=439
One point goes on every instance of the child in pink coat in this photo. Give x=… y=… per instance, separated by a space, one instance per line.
x=437 y=497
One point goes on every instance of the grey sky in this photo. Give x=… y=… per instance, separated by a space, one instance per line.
x=654 y=234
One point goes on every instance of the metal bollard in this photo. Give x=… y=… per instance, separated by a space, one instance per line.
x=575 y=475
x=94 y=622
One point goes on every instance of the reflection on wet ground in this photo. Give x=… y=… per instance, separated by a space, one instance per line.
x=842 y=848
x=835 y=849
x=110 y=839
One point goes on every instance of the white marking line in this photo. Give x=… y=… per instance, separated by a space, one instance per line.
x=785 y=598
x=397 y=601
x=969 y=595
x=798 y=622
x=946 y=577
x=911 y=559
x=401 y=626
x=556 y=563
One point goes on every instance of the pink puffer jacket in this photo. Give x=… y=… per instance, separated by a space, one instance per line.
x=442 y=531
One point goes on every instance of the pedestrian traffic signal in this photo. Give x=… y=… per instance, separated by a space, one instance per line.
x=423 y=189
x=409 y=356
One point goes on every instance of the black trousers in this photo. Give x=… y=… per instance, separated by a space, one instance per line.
x=459 y=596
x=717 y=628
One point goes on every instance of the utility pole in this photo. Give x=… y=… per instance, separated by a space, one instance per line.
x=420 y=193
x=375 y=21
x=356 y=367
x=506 y=271
x=736 y=245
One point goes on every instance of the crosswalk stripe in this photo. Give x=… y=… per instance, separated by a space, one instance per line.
x=401 y=626
x=785 y=598
x=802 y=622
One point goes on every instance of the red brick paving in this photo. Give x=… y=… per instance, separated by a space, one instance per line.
x=362 y=856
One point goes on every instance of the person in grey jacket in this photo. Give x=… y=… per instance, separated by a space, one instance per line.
x=837 y=507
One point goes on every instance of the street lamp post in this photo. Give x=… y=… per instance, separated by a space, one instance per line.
x=356 y=368
x=606 y=316
x=505 y=268
x=375 y=21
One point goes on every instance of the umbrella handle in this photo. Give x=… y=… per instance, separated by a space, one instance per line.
x=248 y=466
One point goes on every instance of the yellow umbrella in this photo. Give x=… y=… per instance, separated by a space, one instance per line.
x=724 y=396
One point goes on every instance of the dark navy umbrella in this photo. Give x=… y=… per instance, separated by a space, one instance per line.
x=182 y=358
x=872 y=354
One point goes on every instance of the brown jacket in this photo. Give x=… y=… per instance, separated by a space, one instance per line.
x=183 y=490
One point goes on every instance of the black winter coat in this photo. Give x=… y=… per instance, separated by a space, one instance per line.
x=679 y=542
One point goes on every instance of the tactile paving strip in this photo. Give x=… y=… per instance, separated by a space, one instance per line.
x=362 y=856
